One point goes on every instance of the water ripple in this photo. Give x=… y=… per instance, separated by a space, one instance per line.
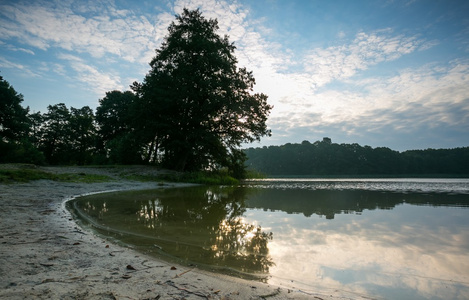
x=402 y=185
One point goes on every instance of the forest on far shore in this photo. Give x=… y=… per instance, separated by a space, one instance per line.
x=326 y=158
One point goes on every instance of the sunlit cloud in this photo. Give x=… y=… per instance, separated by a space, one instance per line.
x=367 y=49
x=415 y=100
x=427 y=95
x=99 y=81
x=86 y=30
x=16 y=49
x=8 y=64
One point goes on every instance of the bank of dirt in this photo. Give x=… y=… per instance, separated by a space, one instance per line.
x=44 y=254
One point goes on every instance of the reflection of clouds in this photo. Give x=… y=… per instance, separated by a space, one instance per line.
x=382 y=252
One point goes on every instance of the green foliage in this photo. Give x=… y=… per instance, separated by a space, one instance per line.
x=14 y=123
x=22 y=151
x=14 y=128
x=202 y=177
x=119 y=141
x=142 y=178
x=124 y=149
x=65 y=136
x=82 y=135
x=54 y=134
x=254 y=174
x=198 y=106
x=325 y=158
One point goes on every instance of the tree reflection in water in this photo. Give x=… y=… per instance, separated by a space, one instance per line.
x=202 y=225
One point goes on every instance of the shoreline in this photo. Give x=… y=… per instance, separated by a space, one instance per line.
x=46 y=255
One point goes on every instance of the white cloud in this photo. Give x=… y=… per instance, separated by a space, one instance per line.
x=16 y=49
x=367 y=49
x=99 y=81
x=94 y=31
x=70 y=57
x=413 y=103
x=25 y=70
x=301 y=103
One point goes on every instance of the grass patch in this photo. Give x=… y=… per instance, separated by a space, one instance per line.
x=209 y=178
x=23 y=175
x=142 y=178
x=83 y=178
x=26 y=175
x=254 y=174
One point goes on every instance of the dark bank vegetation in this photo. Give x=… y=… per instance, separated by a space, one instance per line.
x=191 y=113
x=324 y=158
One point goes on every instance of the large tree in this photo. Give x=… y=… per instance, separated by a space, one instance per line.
x=202 y=105
x=15 y=144
x=14 y=123
x=82 y=135
x=55 y=133
x=120 y=142
x=66 y=136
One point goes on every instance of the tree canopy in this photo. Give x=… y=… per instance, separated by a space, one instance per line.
x=15 y=145
x=13 y=117
x=118 y=137
x=199 y=105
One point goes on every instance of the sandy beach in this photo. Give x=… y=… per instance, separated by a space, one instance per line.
x=44 y=254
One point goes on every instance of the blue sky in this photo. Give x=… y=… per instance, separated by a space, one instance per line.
x=380 y=73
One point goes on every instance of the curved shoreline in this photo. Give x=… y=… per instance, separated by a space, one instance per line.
x=46 y=255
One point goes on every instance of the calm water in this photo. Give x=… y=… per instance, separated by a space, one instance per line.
x=382 y=238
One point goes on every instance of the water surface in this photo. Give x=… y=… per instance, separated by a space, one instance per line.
x=381 y=238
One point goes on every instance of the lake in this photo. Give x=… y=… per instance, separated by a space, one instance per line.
x=379 y=238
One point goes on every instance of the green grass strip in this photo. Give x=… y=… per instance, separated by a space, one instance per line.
x=26 y=175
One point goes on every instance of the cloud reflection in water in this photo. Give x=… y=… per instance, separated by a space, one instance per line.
x=370 y=243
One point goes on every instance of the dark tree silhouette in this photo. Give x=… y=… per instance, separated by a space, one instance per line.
x=15 y=143
x=65 y=136
x=119 y=140
x=200 y=107
x=13 y=117
x=324 y=158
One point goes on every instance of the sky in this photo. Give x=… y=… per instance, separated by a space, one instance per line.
x=384 y=73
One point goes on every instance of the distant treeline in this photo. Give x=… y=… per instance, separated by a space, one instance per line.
x=326 y=158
